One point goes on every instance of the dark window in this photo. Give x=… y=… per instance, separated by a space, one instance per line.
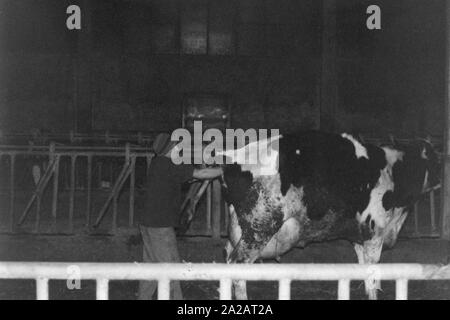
x=164 y=20
x=194 y=14
x=226 y=27
x=221 y=17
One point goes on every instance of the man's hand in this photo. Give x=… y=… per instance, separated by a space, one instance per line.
x=207 y=173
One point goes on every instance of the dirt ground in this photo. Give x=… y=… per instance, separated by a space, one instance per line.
x=127 y=248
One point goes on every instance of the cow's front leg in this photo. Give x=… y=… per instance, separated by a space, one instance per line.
x=370 y=253
x=240 y=289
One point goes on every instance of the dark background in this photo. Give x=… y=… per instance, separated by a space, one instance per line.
x=130 y=66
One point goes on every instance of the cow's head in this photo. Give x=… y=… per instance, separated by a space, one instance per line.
x=415 y=169
x=411 y=170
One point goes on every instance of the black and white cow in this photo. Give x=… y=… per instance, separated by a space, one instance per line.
x=319 y=186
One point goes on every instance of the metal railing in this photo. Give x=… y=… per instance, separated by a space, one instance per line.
x=127 y=155
x=51 y=172
x=102 y=273
x=56 y=155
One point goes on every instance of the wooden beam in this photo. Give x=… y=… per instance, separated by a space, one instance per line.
x=328 y=77
x=446 y=182
x=83 y=71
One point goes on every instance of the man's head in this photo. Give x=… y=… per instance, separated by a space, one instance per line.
x=163 y=145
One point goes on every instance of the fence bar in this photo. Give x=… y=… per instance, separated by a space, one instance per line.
x=38 y=213
x=102 y=289
x=115 y=190
x=12 y=191
x=42 y=288
x=344 y=289
x=55 y=189
x=433 y=212
x=114 y=217
x=132 y=189
x=42 y=184
x=216 y=208
x=284 y=289
x=401 y=289
x=225 y=289
x=416 y=218
x=89 y=191
x=163 y=289
x=216 y=271
x=73 y=160
x=208 y=208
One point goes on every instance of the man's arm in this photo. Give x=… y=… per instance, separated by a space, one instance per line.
x=207 y=173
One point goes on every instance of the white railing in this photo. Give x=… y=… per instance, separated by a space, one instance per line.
x=164 y=273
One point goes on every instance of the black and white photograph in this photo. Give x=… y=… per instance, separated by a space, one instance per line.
x=238 y=150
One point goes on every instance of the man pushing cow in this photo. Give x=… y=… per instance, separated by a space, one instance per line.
x=162 y=208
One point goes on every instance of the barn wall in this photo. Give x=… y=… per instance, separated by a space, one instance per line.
x=392 y=80
x=388 y=80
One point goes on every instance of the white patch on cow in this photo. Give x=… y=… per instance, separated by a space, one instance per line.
x=254 y=157
x=360 y=151
x=370 y=253
x=235 y=231
x=291 y=203
x=292 y=207
x=284 y=240
x=375 y=208
x=393 y=155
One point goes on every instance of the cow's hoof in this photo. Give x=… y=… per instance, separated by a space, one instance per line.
x=373 y=294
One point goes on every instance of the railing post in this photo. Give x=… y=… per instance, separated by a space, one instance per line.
x=102 y=289
x=401 y=289
x=42 y=289
x=163 y=289
x=344 y=289
x=225 y=289
x=284 y=289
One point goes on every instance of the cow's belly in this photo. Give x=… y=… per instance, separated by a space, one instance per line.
x=283 y=241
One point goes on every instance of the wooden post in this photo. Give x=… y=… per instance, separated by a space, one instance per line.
x=328 y=81
x=12 y=191
x=446 y=182
x=208 y=209
x=73 y=159
x=433 y=212
x=55 y=191
x=89 y=191
x=132 y=189
x=83 y=71
x=216 y=209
